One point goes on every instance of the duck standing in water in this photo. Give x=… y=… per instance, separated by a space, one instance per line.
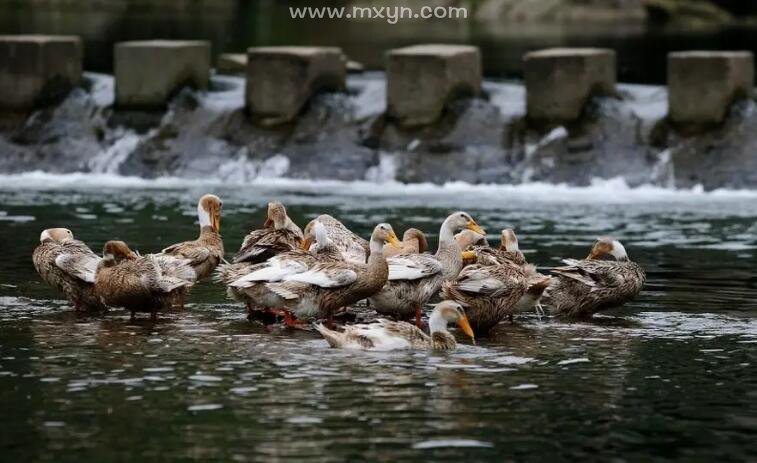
x=328 y=286
x=140 y=283
x=414 y=279
x=246 y=282
x=279 y=234
x=69 y=266
x=206 y=252
x=383 y=334
x=585 y=287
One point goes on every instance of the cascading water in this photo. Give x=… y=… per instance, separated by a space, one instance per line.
x=346 y=137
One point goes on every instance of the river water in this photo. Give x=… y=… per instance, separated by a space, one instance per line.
x=671 y=375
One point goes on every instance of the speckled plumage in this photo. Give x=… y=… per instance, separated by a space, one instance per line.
x=352 y=247
x=69 y=267
x=585 y=287
x=204 y=253
x=489 y=293
x=260 y=245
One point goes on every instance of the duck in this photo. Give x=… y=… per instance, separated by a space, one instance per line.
x=68 y=265
x=279 y=234
x=467 y=240
x=206 y=252
x=329 y=286
x=353 y=248
x=246 y=281
x=414 y=279
x=384 y=335
x=585 y=287
x=413 y=242
x=140 y=283
x=509 y=253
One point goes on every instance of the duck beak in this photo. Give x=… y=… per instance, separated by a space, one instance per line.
x=469 y=256
x=394 y=241
x=306 y=244
x=268 y=222
x=465 y=326
x=472 y=225
x=131 y=255
x=594 y=254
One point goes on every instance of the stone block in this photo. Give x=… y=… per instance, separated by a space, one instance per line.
x=281 y=80
x=703 y=84
x=422 y=79
x=560 y=81
x=149 y=72
x=232 y=63
x=37 y=69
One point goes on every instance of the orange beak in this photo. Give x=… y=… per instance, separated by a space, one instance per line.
x=594 y=254
x=470 y=256
x=131 y=255
x=472 y=225
x=268 y=222
x=215 y=221
x=465 y=326
x=306 y=244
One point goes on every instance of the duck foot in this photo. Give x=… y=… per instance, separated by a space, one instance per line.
x=539 y=310
x=418 y=317
x=290 y=321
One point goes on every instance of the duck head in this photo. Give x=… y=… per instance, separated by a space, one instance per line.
x=383 y=233
x=509 y=242
x=315 y=232
x=468 y=238
x=209 y=212
x=415 y=234
x=56 y=235
x=462 y=220
x=117 y=251
x=447 y=312
x=607 y=246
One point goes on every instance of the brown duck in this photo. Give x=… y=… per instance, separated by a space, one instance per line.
x=69 y=266
x=279 y=234
x=585 y=287
x=140 y=283
x=205 y=253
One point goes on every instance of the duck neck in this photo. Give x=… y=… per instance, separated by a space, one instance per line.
x=377 y=267
x=449 y=252
x=436 y=322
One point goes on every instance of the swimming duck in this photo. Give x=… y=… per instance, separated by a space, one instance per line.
x=204 y=253
x=413 y=242
x=354 y=248
x=279 y=234
x=585 y=287
x=414 y=279
x=383 y=335
x=328 y=286
x=69 y=266
x=140 y=283
x=246 y=281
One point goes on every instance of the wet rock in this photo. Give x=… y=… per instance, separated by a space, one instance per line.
x=560 y=81
x=149 y=72
x=703 y=84
x=232 y=63
x=36 y=70
x=281 y=80
x=422 y=79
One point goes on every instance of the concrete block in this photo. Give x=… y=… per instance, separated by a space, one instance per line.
x=560 y=81
x=37 y=69
x=281 y=80
x=148 y=72
x=703 y=84
x=232 y=63
x=422 y=79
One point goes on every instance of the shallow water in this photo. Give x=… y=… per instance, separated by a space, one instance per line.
x=670 y=375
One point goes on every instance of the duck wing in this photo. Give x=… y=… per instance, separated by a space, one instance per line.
x=413 y=267
x=326 y=275
x=267 y=242
x=489 y=280
x=191 y=250
x=80 y=265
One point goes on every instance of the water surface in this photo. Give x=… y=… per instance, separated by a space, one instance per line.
x=670 y=375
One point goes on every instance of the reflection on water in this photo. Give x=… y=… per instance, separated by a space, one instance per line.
x=671 y=375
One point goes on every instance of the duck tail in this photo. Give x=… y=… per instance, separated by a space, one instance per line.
x=229 y=273
x=334 y=338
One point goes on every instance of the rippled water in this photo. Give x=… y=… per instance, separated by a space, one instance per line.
x=671 y=375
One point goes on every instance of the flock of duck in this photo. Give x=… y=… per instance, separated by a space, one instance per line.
x=312 y=275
